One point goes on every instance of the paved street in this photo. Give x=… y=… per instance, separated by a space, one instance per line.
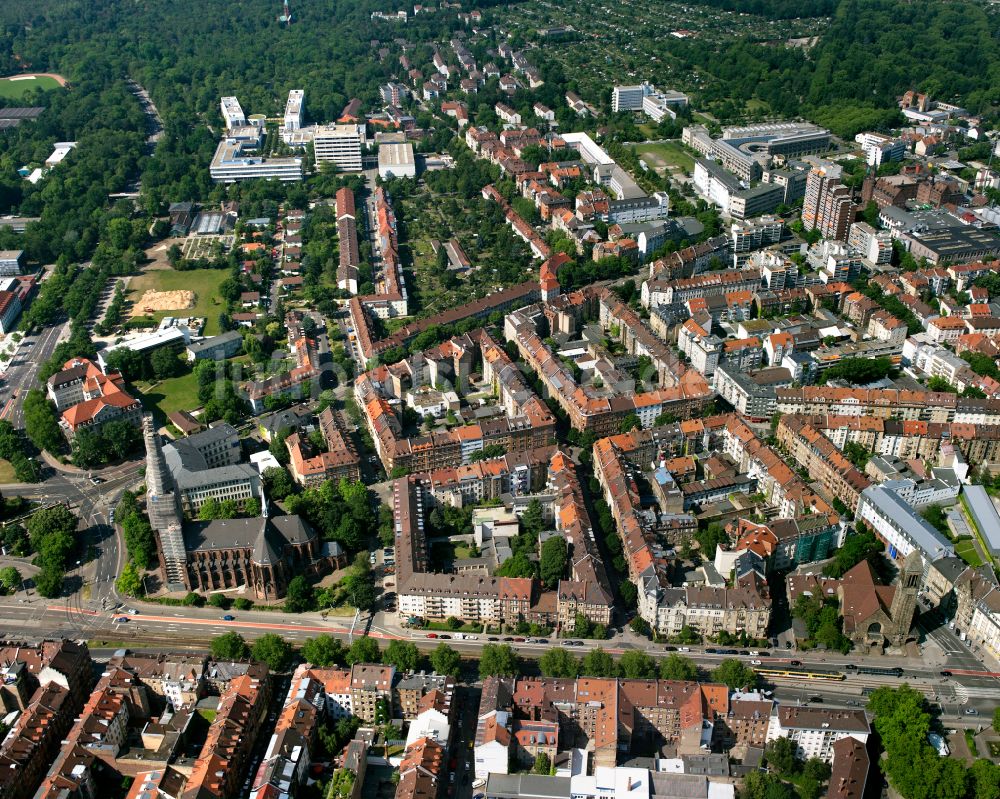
x=22 y=374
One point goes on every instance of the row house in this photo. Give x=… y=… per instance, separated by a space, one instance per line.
x=823 y=461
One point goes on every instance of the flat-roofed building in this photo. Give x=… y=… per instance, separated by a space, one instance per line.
x=10 y=262
x=232 y=112
x=396 y=161
x=339 y=144
x=293 y=109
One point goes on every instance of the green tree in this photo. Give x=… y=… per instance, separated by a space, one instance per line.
x=678 y=667
x=49 y=582
x=498 y=660
x=130 y=582
x=816 y=769
x=629 y=423
x=40 y=422
x=996 y=719
x=210 y=510
x=323 y=650
x=403 y=655
x=363 y=650
x=273 y=650
x=251 y=507
x=553 y=561
x=10 y=579
x=299 y=596
x=637 y=665
x=542 y=765
x=445 y=660
x=598 y=663
x=764 y=785
x=220 y=601
x=532 y=521
x=242 y=603
x=50 y=521
x=520 y=565
x=193 y=599
x=781 y=754
x=230 y=646
x=557 y=662
x=857 y=547
x=734 y=674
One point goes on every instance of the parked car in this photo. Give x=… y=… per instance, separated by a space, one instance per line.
x=444 y=637
x=794 y=662
x=432 y=635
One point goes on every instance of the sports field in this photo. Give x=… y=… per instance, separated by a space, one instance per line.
x=203 y=282
x=658 y=155
x=17 y=86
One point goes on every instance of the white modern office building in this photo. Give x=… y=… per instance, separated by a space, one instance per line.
x=232 y=112
x=232 y=163
x=339 y=144
x=293 y=109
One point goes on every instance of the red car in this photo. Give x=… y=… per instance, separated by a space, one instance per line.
x=432 y=635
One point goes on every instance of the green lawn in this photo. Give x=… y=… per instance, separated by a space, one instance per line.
x=669 y=153
x=11 y=89
x=203 y=282
x=175 y=394
x=7 y=473
x=966 y=550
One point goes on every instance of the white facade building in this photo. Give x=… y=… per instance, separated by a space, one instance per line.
x=293 y=109
x=815 y=730
x=232 y=112
x=340 y=145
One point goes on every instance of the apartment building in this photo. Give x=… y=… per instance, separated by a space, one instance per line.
x=815 y=731
x=371 y=687
x=339 y=145
x=814 y=452
x=901 y=527
x=901 y=404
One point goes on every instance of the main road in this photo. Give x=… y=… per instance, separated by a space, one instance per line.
x=967 y=696
x=22 y=374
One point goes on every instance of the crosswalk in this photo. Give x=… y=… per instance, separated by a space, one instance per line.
x=961 y=694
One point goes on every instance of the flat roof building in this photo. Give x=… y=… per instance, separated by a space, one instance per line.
x=231 y=164
x=293 y=109
x=396 y=161
x=984 y=514
x=339 y=144
x=232 y=112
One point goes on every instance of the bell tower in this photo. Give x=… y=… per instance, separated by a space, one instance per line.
x=904 y=601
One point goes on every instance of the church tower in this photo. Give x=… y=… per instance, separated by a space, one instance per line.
x=904 y=601
x=163 y=504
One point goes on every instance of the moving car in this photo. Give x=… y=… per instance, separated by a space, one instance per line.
x=121 y=620
x=227 y=617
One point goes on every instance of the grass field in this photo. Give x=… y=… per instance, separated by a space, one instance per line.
x=7 y=473
x=669 y=153
x=12 y=89
x=967 y=552
x=203 y=282
x=175 y=394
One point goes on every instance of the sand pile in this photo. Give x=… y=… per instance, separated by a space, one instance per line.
x=153 y=301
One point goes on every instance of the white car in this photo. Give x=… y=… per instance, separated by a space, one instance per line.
x=755 y=663
x=754 y=653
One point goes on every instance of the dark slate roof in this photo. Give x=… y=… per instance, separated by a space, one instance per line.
x=267 y=537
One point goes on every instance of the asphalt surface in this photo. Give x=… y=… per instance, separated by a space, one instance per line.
x=22 y=374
